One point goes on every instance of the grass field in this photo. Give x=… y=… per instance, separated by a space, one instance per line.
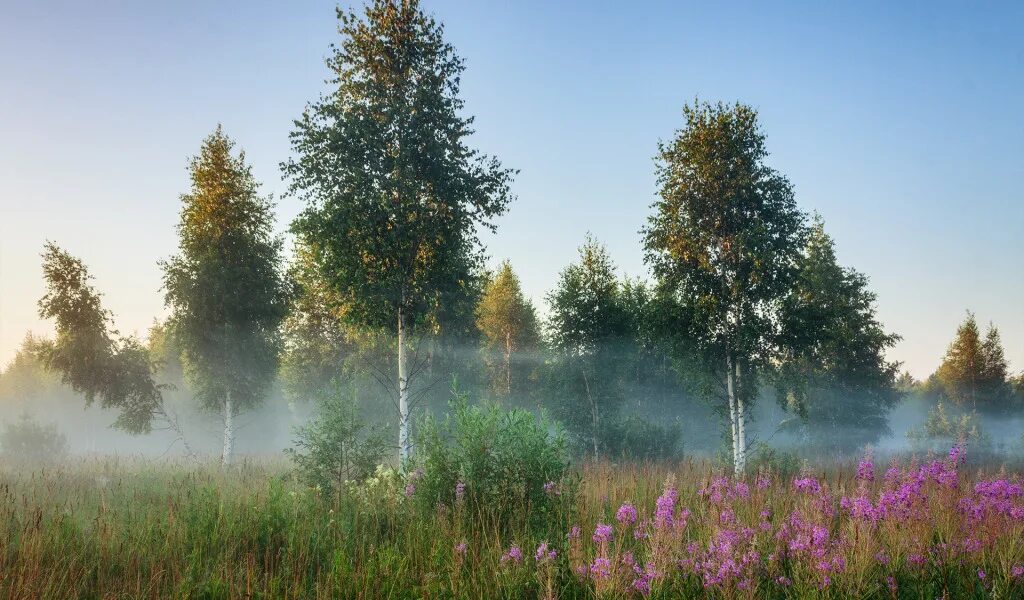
x=107 y=528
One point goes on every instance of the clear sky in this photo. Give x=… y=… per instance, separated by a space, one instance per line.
x=900 y=122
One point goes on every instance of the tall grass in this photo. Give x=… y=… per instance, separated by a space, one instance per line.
x=108 y=528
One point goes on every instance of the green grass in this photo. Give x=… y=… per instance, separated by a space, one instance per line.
x=132 y=529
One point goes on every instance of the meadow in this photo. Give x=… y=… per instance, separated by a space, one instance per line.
x=926 y=527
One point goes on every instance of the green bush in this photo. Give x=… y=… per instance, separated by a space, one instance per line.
x=634 y=438
x=336 y=447
x=784 y=463
x=29 y=441
x=495 y=463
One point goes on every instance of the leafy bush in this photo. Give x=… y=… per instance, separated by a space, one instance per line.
x=494 y=462
x=783 y=463
x=336 y=447
x=639 y=439
x=29 y=441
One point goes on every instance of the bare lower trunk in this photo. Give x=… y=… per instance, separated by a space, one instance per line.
x=403 y=395
x=229 y=430
x=734 y=425
x=593 y=415
x=508 y=364
x=741 y=420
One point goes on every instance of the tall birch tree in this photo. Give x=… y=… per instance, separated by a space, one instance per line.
x=394 y=194
x=724 y=240
x=226 y=288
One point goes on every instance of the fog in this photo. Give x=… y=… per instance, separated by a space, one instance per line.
x=265 y=431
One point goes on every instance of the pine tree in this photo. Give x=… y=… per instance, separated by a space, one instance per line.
x=226 y=289
x=995 y=372
x=724 y=242
x=394 y=195
x=508 y=323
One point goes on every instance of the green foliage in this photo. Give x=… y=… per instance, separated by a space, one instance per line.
x=317 y=342
x=26 y=378
x=508 y=323
x=782 y=463
x=636 y=438
x=941 y=430
x=724 y=243
x=587 y=328
x=834 y=374
x=225 y=288
x=31 y=442
x=974 y=372
x=726 y=234
x=336 y=447
x=91 y=357
x=394 y=194
x=503 y=457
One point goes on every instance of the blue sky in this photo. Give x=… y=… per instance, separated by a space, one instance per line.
x=899 y=122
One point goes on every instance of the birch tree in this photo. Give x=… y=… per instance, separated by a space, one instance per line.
x=508 y=322
x=226 y=289
x=394 y=194
x=834 y=374
x=91 y=357
x=586 y=328
x=724 y=240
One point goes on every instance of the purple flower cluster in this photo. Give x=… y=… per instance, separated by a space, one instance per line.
x=602 y=533
x=665 y=508
x=743 y=544
x=545 y=553
x=626 y=515
x=866 y=469
x=513 y=555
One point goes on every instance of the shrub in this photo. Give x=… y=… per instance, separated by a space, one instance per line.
x=29 y=441
x=784 y=463
x=496 y=463
x=336 y=447
x=634 y=438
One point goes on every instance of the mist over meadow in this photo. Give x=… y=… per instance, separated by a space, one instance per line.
x=370 y=406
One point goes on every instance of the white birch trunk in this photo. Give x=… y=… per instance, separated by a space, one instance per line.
x=741 y=439
x=403 y=395
x=229 y=431
x=730 y=385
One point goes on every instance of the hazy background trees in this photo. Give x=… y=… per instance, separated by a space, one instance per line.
x=511 y=336
x=833 y=374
